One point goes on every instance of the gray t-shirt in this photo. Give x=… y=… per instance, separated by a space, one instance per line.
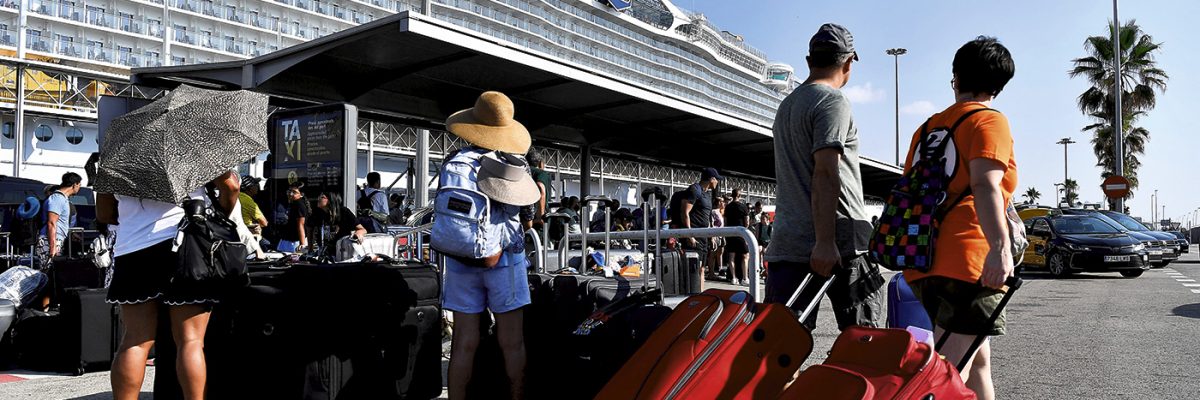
x=811 y=118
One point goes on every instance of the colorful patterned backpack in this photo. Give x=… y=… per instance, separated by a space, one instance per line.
x=907 y=231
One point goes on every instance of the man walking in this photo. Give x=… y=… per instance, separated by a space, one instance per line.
x=822 y=223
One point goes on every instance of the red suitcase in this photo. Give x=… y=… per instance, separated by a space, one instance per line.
x=718 y=344
x=886 y=364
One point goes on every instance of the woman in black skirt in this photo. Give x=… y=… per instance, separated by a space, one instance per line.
x=141 y=283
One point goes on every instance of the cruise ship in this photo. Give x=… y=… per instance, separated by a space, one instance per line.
x=72 y=51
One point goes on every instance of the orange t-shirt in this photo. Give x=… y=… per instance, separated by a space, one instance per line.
x=961 y=247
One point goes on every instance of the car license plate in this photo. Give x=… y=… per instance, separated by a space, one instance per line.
x=1168 y=251
x=1116 y=258
x=1156 y=253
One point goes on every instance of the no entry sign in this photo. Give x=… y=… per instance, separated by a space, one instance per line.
x=1116 y=187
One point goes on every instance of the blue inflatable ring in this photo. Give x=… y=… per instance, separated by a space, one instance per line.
x=29 y=208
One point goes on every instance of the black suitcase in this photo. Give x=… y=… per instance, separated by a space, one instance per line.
x=66 y=273
x=77 y=338
x=345 y=331
x=681 y=273
x=600 y=350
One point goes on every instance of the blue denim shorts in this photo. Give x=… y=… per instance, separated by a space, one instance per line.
x=471 y=290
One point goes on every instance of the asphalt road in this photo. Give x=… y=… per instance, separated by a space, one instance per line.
x=1092 y=336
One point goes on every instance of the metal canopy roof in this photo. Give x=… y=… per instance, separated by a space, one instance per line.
x=412 y=65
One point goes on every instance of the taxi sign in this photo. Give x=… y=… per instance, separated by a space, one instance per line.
x=1116 y=187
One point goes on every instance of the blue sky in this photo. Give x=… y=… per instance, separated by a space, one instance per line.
x=1044 y=36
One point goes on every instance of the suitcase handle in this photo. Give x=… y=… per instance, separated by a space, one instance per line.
x=816 y=299
x=1013 y=283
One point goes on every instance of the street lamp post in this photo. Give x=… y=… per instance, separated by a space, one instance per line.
x=896 y=53
x=1058 y=188
x=1118 y=114
x=1065 y=142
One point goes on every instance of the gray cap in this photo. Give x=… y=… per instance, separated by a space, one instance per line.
x=832 y=38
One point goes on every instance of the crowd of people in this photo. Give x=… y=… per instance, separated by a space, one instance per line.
x=823 y=225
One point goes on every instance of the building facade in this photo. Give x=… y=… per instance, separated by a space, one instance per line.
x=58 y=56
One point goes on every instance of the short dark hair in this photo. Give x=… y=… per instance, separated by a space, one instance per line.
x=983 y=65
x=533 y=158
x=736 y=193
x=826 y=59
x=373 y=178
x=71 y=179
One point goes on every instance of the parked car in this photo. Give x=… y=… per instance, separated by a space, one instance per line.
x=1154 y=246
x=1063 y=244
x=1184 y=245
x=1163 y=239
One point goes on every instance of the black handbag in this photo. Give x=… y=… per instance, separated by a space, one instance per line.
x=211 y=255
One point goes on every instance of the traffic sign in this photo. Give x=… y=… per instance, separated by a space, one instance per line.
x=1116 y=187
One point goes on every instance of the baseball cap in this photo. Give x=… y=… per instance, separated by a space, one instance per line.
x=711 y=173
x=832 y=38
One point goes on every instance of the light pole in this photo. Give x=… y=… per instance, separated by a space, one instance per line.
x=1058 y=187
x=1065 y=142
x=896 y=53
x=1118 y=112
x=1154 y=206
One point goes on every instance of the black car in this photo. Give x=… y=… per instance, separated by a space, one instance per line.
x=1182 y=241
x=1067 y=243
x=1154 y=245
x=1163 y=239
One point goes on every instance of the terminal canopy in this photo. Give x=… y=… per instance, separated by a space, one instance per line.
x=413 y=66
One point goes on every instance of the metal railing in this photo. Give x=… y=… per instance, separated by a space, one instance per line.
x=739 y=232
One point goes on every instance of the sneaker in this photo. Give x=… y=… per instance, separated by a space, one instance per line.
x=735 y=282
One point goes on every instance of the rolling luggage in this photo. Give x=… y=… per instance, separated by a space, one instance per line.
x=888 y=364
x=324 y=331
x=681 y=273
x=718 y=344
x=903 y=307
x=606 y=339
x=78 y=338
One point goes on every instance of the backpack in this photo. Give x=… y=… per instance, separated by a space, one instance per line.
x=373 y=221
x=463 y=226
x=675 y=207
x=27 y=225
x=908 y=228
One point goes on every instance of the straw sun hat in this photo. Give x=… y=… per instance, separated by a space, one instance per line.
x=490 y=125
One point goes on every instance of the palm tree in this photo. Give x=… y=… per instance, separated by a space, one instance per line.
x=1072 y=192
x=1141 y=80
x=1031 y=195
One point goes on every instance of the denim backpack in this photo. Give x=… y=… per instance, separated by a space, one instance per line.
x=907 y=231
x=462 y=223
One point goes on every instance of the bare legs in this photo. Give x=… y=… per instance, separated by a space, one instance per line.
x=978 y=376
x=463 y=347
x=188 y=325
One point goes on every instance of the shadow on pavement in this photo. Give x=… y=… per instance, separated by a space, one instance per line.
x=1188 y=310
x=109 y=396
x=1043 y=276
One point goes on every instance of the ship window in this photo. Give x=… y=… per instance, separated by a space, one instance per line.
x=74 y=135
x=43 y=133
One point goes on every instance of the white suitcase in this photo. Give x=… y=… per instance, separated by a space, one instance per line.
x=383 y=244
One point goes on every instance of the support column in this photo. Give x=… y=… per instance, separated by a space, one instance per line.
x=19 y=120
x=422 y=168
x=370 y=146
x=22 y=27
x=639 y=181
x=168 y=30
x=603 y=190
x=585 y=172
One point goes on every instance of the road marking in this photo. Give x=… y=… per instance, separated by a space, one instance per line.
x=1185 y=280
x=1195 y=290
x=1191 y=285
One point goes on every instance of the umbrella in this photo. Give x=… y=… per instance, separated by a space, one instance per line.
x=172 y=146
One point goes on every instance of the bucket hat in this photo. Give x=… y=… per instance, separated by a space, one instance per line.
x=490 y=125
x=504 y=178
